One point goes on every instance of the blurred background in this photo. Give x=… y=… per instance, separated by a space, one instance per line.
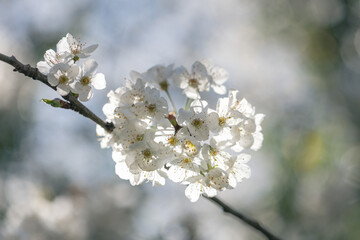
x=296 y=61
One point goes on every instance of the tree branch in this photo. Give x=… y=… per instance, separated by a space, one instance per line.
x=75 y=105
x=251 y=222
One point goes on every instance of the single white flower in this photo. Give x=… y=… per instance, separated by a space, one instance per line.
x=133 y=131
x=147 y=156
x=119 y=119
x=214 y=156
x=193 y=83
x=196 y=120
x=183 y=167
x=218 y=179
x=132 y=93
x=157 y=177
x=153 y=107
x=88 y=79
x=158 y=75
x=218 y=76
x=74 y=49
x=247 y=133
x=238 y=170
x=198 y=185
x=224 y=117
x=51 y=59
x=62 y=76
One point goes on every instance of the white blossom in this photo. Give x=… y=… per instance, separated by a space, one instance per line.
x=88 y=79
x=153 y=107
x=194 y=82
x=247 y=134
x=196 y=120
x=74 y=49
x=198 y=185
x=221 y=120
x=158 y=75
x=183 y=167
x=217 y=75
x=51 y=59
x=238 y=170
x=62 y=76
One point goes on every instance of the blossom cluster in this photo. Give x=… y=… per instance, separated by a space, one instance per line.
x=198 y=146
x=64 y=72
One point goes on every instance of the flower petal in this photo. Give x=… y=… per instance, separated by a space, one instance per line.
x=53 y=80
x=63 y=89
x=98 y=81
x=90 y=49
x=89 y=67
x=43 y=67
x=73 y=72
x=62 y=46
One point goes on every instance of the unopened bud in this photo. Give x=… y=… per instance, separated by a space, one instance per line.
x=58 y=103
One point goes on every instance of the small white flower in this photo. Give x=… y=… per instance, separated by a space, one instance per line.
x=224 y=117
x=196 y=120
x=238 y=170
x=183 y=167
x=132 y=93
x=157 y=177
x=158 y=75
x=193 y=83
x=153 y=107
x=246 y=134
x=61 y=76
x=147 y=156
x=74 y=49
x=133 y=131
x=214 y=156
x=217 y=179
x=198 y=185
x=89 y=78
x=218 y=76
x=51 y=59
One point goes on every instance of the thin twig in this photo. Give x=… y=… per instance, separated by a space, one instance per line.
x=251 y=222
x=75 y=105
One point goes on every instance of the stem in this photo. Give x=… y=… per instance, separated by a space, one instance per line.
x=171 y=101
x=249 y=221
x=187 y=103
x=75 y=105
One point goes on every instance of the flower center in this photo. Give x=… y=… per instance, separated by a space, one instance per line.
x=213 y=152
x=139 y=137
x=76 y=58
x=85 y=80
x=172 y=141
x=147 y=153
x=75 y=48
x=63 y=79
x=222 y=121
x=193 y=83
x=152 y=107
x=164 y=85
x=197 y=122
x=186 y=161
x=190 y=146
